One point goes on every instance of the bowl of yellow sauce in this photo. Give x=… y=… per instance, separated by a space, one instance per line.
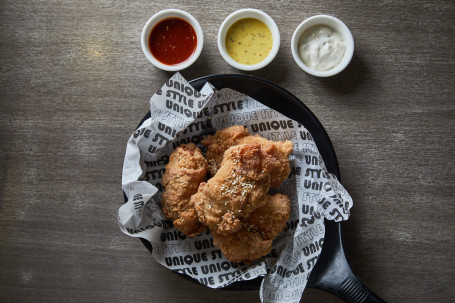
x=248 y=39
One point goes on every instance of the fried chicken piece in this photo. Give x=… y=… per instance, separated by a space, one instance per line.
x=254 y=239
x=282 y=168
x=237 y=189
x=220 y=142
x=184 y=172
x=269 y=219
x=242 y=246
x=235 y=135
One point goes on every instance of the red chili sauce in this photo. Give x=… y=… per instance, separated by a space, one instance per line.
x=172 y=41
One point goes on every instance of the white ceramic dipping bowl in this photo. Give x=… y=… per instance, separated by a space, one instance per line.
x=154 y=20
x=242 y=14
x=335 y=24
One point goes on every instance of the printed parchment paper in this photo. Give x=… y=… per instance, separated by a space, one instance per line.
x=180 y=114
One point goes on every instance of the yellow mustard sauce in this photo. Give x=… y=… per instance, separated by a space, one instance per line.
x=249 y=41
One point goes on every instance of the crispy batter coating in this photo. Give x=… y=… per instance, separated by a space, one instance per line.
x=282 y=168
x=184 y=172
x=235 y=135
x=254 y=239
x=237 y=189
x=242 y=246
x=270 y=219
x=220 y=142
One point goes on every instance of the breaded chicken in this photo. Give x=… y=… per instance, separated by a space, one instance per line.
x=254 y=239
x=242 y=246
x=269 y=220
x=220 y=142
x=237 y=189
x=235 y=135
x=186 y=169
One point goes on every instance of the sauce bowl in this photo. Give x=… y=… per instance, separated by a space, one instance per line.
x=244 y=14
x=336 y=25
x=157 y=18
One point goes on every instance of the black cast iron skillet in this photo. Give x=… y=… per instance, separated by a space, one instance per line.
x=332 y=272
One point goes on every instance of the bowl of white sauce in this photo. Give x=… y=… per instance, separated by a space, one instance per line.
x=322 y=45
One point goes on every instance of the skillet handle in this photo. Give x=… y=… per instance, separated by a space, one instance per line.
x=352 y=290
x=333 y=274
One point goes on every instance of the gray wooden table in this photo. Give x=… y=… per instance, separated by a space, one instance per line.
x=74 y=84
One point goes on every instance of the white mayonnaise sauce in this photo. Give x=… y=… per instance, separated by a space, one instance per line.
x=321 y=48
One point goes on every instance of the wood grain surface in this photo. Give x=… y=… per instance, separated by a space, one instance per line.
x=74 y=84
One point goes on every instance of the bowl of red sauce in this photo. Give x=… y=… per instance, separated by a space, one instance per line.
x=172 y=39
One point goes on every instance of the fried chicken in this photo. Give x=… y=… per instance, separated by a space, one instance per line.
x=235 y=135
x=233 y=204
x=186 y=169
x=254 y=239
x=237 y=189
x=220 y=142
x=242 y=246
x=269 y=219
